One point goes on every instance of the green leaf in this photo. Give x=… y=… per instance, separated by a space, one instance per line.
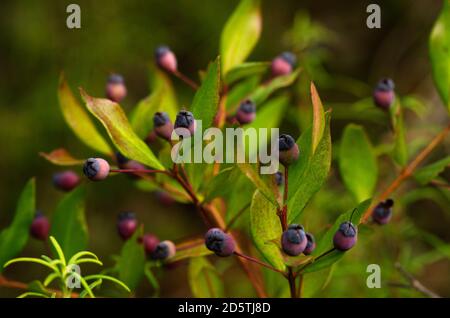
x=218 y=185
x=204 y=280
x=194 y=251
x=265 y=228
x=132 y=261
x=240 y=91
x=400 y=151
x=325 y=244
x=159 y=81
x=61 y=157
x=263 y=91
x=309 y=173
x=119 y=129
x=14 y=238
x=206 y=99
x=318 y=125
x=245 y=70
x=109 y=278
x=69 y=226
x=240 y=34
x=357 y=162
x=439 y=46
x=425 y=174
x=78 y=119
x=142 y=116
x=270 y=114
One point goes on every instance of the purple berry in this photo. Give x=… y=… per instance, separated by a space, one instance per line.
x=383 y=94
x=283 y=64
x=126 y=224
x=115 y=88
x=288 y=150
x=66 y=180
x=166 y=59
x=345 y=237
x=279 y=178
x=185 y=120
x=164 y=250
x=310 y=245
x=246 y=112
x=221 y=243
x=162 y=125
x=40 y=227
x=150 y=242
x=383 y=212
x=164 y=198
x=96 y=169
x=293 y=240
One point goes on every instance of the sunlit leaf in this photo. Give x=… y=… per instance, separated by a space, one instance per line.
x=240 y=34
x=14 y=238
x=245 y=70
x=204 y=280
x=425 y=174
x=116 y=123
x=190 y=249
x=142 y=116
x=78 y=119
x=61 y=157
x=318 y=125
x=132 y=261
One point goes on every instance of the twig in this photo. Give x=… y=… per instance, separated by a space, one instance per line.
x=257 y=261
x=408 y=171
x=186 y=79
x=23 y=286
x=415 y=283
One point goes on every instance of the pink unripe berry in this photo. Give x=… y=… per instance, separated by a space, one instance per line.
x=66 y=180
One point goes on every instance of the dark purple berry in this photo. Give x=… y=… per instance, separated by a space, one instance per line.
x=293 y=240
x=185 y=120
x=165 y=198
x=162 y=125
x=288 y=150
x=383 y=212
x=66 y=180
x=164 y=250
x=383 y=94
x=345 y=237
x=221 y=243
x=150 y=243
x=115 y=88
x=166 y=59
x=310 y=245
x=246 y=112
x=126 y=224
x=96 y=169
x=283 y=64
x=40 y=227
x=279 y=178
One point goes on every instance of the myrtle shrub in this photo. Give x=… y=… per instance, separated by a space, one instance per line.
x=265 y=222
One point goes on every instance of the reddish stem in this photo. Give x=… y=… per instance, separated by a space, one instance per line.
x=186 y=79
x=257 y=261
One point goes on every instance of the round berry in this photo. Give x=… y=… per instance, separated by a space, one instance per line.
x=126 y=224
x=288 y=150
x=221 y=243
x=310 y=245
x=246 y=112
x=383 y=212
x=150 y=242
x=166 y=59
x=185 y=120
x=162 y=125
x=66 y=180
x=164 y=250
x=164 y=198
x=383 y=94
x=279 y=178
x=293 y=240
x=96 y=169
x=115 y=88
x=345 y=237
x=283 y=64
x=40 y=227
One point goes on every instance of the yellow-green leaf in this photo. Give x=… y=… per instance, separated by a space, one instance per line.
x=204 y=279
x=318 y=125
x=240 y=34
x=78 y=119
x=61 y=157
x=119 y=129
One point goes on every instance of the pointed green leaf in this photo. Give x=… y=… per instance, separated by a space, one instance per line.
x=119 y=129
x=78 y=119
x=265 y=228
x=240 y=34
x=206 y=99
x=439 y=45
x=69 y=226
x=61 y=157
x=245 y=70
x=132 y=261
x=318 y=125
x=425 y=174
x=204 y=279
x=14 y=238
x=357 y=162
x=142 y=116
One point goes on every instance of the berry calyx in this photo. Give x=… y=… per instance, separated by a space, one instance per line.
x=40 y=227
x=185 y=120
x=164 y=250
x=221 y=243
x=383 y=94
x=246 y=112
x=126 y=224
x=293 y=240
x=166 y=59
x=66 y=180
x=288 y=150
x=283 y=64
x=96 y=169
x=115 y=88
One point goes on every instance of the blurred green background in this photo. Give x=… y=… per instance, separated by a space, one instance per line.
x=120 y=36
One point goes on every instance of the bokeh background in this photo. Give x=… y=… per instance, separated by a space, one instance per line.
x=343 y=56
